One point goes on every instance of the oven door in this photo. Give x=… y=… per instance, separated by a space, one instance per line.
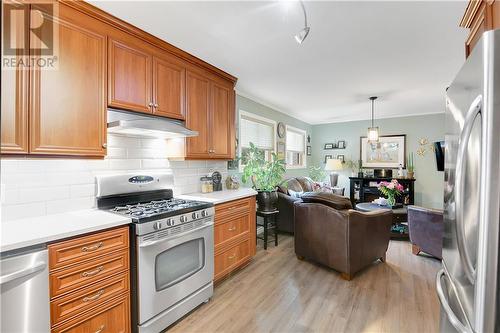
x=173 y=267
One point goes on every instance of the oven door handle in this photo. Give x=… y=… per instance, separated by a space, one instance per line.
x=151 y=243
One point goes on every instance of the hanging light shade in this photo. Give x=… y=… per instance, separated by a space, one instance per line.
x=373 y=131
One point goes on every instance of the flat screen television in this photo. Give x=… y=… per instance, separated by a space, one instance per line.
x=439 y=151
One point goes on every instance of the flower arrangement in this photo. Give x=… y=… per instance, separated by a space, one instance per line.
x=391 y=190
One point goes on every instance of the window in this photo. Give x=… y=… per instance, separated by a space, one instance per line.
x=295 y=148
x=258 y=130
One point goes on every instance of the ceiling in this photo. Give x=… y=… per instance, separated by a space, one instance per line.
x=406 y=52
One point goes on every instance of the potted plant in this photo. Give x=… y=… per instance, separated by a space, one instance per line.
x=355 y=167
x=410 y=167
x=317 y=173
x=264 y=175
x=390 y=190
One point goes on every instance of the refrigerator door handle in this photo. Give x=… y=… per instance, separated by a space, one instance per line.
x=452 y=317
x=465 y=257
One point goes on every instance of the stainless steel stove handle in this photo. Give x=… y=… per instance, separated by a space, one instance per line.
x=452 y=317
x=36 y=267
x=465 y=257
x=152 y=243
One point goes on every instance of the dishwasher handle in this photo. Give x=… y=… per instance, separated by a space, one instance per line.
x=35 y=268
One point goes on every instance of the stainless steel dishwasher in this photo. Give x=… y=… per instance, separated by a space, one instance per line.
x=24 y=285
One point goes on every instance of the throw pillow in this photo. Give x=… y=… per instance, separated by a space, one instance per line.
x=295 y=194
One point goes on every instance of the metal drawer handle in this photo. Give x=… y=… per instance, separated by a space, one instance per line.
x=92 y=248
x=93 y=298
x=232 y=257
x=94 y=272
x=231 y=229
x=100 y=329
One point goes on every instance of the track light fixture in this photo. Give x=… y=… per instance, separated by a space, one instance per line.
x=302 y=34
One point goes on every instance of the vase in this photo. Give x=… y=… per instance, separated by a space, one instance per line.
x=410 y=174
x=266 y=200
x=391 y=200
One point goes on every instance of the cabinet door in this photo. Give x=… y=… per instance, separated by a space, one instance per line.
x=495 y=14
x=222 y=139
x=169 y=82
x=67 y=105
x=129 y=76
x=197 y=114
x=14 y=114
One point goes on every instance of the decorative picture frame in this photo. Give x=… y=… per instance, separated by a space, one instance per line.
x=328 y=146
x=341 y=157
x=328 y=157
x=388 y=153
x=341 y=144
x=308 y=150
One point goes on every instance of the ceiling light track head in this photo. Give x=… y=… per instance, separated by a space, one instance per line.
x=302 y=34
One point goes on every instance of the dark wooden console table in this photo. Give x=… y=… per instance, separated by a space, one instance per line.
x=365 y=189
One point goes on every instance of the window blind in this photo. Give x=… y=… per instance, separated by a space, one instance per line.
x=295 y=141
x=261 y=134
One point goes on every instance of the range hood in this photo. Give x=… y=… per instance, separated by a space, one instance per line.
x=137 y=125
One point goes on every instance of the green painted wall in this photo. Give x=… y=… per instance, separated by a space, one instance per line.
x=248 y=105
x=429 y=182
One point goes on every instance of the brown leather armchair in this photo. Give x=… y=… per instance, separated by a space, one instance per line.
x=329 y=232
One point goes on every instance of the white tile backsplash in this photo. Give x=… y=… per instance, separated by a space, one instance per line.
x=33 y=186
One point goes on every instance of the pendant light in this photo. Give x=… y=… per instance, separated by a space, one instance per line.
x=372 y=131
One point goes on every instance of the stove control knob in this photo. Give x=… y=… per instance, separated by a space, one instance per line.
x=157 y=225
x=204 y=213
x=184 y=218
x=196 y=215
x=170 y=222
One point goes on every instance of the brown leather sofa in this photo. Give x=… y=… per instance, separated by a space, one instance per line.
x=329 y=232
x=285 y=220
x=426 y=230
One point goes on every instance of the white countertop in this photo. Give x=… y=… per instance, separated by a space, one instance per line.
x=17 y=234
x=220 y=196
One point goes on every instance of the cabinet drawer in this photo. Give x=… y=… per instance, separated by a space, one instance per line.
x=230 y=209
x=76 y=250
x=230 y=229
x=82 y=300
x=111 y=317
x=74 y=277
x=231 y=258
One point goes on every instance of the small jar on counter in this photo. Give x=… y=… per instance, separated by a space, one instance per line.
x=206 y=184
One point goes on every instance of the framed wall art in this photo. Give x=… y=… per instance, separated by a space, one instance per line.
x=328 y=157
x=388 y=153
x=329 y=146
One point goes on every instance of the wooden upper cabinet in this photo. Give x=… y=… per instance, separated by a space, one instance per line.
x=197 y=114
x=14 y=101
x=129 y=75
x=210 y=111
x=169 y=86
x=68 y=105
x=480 y=16
x=222 y=120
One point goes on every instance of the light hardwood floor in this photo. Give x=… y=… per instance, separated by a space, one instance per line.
x=279 y=293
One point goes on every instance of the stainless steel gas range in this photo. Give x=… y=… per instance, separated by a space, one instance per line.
x=172 y=247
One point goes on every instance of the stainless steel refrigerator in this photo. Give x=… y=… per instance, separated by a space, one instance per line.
x=468 y=283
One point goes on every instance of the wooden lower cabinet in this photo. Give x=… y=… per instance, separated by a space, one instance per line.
x=90 y=283
x=111 y=317
x=234 y=236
